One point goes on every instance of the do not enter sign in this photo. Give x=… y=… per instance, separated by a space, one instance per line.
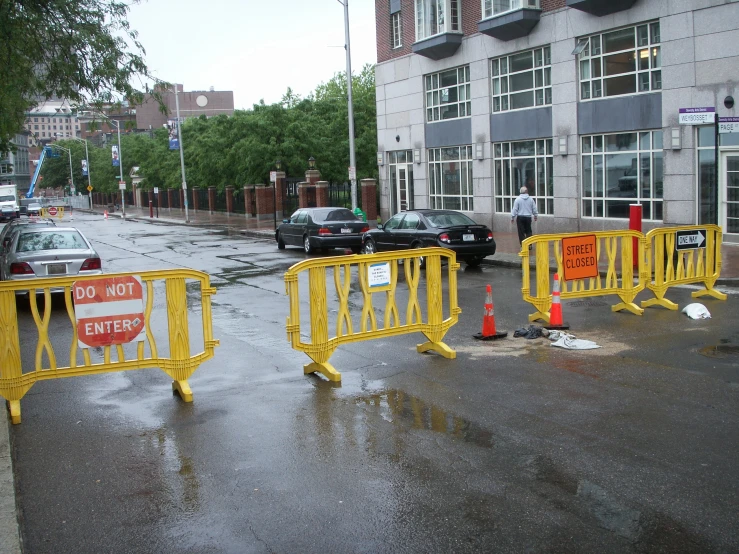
x=579 y=257
x=109 y=311
x=52 y=211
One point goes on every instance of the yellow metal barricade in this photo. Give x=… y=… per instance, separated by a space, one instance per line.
x=180 y=364
x=668 y=266
x=58 y=212
x=375 y=273
x=615 y=260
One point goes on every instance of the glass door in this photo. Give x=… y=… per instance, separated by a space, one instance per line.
x=401 y=181
x=729 y=193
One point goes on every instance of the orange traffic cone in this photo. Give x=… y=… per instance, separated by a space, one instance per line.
x=488 y=320
x=105 y=214
x=555 y=316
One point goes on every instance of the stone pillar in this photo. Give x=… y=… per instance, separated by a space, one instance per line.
x=280 y=194
x=229 y=199
x=169 y=198
x=312 y=176
x=211 y=199
x=265 y=203
x=195 y=199
x=249 y=200
x=306 y=195
x=322 y=199
x=369 y=198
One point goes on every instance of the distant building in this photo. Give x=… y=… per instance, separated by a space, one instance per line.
x=14 y=166
x=50 y=120
x=192 y=104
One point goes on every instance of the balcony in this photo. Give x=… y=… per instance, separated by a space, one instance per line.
x=510 y=19
x=600 y=7
x=438 y=47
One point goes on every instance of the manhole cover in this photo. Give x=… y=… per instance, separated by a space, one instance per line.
x=720 y=350
x=587 y=303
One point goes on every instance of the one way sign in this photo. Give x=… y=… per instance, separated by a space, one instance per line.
x=690 y=240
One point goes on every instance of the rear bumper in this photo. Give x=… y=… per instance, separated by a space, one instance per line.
x=471 y=250
x=336 y=241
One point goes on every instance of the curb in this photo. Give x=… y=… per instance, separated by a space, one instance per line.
x=10 y=541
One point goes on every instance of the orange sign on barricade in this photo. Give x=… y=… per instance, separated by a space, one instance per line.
x=579 y=257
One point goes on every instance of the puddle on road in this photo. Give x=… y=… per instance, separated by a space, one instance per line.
x=720 y=351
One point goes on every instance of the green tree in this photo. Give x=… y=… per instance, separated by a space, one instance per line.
x=80 y=50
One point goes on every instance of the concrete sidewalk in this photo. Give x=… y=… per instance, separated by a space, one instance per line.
x=506 y=240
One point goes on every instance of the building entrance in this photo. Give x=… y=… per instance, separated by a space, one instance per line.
x=401 y=181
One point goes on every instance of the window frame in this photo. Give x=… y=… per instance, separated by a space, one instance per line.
x=587 y=59
x=433 y=89
x=520 y=5
x=396 y=30
x=503 y=161
x=452 y=12
x=655 y=150
x=437 y=158
x=503 y=63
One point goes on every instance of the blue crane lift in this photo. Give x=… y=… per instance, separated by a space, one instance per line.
x=47 y=151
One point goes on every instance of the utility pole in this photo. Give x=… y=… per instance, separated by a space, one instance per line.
x=352 y=156
x=182 y=155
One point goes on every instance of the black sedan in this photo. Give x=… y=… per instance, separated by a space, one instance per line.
x=422 y=228
x=321 y=228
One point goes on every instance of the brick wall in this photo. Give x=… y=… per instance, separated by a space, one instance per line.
x=471 y=14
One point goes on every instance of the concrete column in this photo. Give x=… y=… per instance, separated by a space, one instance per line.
x=322 y=199
x=229 y=199
x=249 y=200
x=195 y=199
x=369 y=198
x=312 y=176
x=211 y=199
x=265 y=203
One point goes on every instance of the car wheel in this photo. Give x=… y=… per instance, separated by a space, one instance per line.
x=369 y=247
x=473 y=262
x=422 y=258
x=280 y=242
x=306 y=245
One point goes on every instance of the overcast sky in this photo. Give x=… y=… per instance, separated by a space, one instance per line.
x=255 y=48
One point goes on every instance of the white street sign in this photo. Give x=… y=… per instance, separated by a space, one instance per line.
x=156 y=190
x=728 y=125
x=690 y=240
x=122 y=186
x=697 y=116
x=352 y=173
x=272 y=176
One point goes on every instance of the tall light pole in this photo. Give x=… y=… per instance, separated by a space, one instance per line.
x=68 y=151
x=352 y=157
x=182 y=155
x=87 y=159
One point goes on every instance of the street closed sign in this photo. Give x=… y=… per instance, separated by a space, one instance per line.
x=109 y=311
x=579 y=257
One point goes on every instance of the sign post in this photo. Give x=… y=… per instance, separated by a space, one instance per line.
x=109 y=311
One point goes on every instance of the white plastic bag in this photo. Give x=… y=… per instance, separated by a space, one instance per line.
x=696 y=311
x=569 y=342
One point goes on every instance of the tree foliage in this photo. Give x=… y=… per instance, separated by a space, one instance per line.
x=80 y=50
x=241 y=150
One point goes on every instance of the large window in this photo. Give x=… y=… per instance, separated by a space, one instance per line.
x=396 y=30
x=498 y=7
x=526 y=163
x=434 y=17
x=522 y=80
x=450 y=178
x=626 y=61
x=448 y=94
x=622 y=169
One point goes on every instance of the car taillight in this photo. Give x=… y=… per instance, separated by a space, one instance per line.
x=90 y=264
x=444 y=238
x=490 y=235
x=365 y=229
x=20 y=268
x=324 y=231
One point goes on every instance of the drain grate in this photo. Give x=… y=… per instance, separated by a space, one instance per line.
x=587 y=303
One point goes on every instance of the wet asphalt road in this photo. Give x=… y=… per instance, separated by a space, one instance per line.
x=513 y=447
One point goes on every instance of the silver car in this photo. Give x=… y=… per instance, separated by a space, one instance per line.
x=48 y=252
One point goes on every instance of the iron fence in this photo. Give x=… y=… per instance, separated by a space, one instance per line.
x=238 y=204
x=220 y=201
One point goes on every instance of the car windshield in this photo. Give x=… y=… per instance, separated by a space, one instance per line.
x=7 y=198
x=448 y=219
x=342 y=214
x=56 y=240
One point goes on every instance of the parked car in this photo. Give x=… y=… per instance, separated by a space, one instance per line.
x=15 y=224
x=48 y=251
x=33 y=209
x=321 y=228
x=471 y=241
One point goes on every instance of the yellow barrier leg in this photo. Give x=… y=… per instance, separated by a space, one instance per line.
x=660 y=300
x=435 y=309
x=709 y=292
x=544 y=316
x=325 y=369
x=628 y=306
x=438 y=347
x=182 y=388
x=179 y=367
x=14 y=407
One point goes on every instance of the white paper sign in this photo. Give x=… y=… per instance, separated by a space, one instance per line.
x=378 y=275
x=696 y=116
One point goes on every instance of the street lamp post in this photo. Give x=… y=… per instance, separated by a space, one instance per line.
x=182 y=150
x=87 y=159
x=68 y=151
x=352 y=156
x=278 y=166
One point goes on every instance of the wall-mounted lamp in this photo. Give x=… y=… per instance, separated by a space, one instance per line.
x=312 y=162
x=479 y=151
x=729 y=102
x=562 y=146
x=417 y=155
x=397 y=138
x=675 y=138
x=380 y=159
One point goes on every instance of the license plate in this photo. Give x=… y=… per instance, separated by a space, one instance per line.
x=468 y=237
x=345 y=230
x=56 y=269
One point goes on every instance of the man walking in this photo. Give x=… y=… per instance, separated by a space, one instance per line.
x=524 y=208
